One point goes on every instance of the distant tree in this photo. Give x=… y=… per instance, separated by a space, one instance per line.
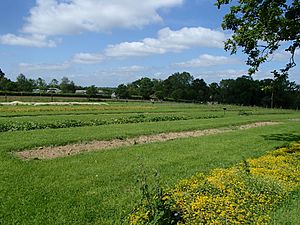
x=246 y=91
x=5 y=83
x=158 y=85
x=146 y=87
x=2 y=75
x=54 y=83
x=133 y=88
x=41 y=84
x=64 y=84
x=72 y=87
x=122 y=91
x=177 y=94
x=92 y=91
x=282 y=90
x=242 y=91
x=260 y=27
x=159 y=95
x=201 y=90
x=177 y=85
x=214 y=92
x=266 y=86
x=24 y=84
x=227 y=91
x=67 y=86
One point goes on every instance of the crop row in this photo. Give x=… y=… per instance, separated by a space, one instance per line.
x=243 y=194
x=34 y=125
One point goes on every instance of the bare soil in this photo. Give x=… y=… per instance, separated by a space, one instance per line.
x=72 y=149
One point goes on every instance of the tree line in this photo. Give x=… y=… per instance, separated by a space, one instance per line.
x=277 y=92
x=24 y=84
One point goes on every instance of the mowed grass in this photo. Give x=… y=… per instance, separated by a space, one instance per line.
x=101 y=188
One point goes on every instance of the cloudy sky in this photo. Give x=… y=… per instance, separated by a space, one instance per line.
x=108 y=42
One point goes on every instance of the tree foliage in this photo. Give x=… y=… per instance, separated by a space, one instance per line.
x=41 y=84
x=244 y=90
x=277 y=92
x=92 y=91
x=24 y=84
x=177 y=86
x=67 y=86
x=54 y=83
x=122 y=91
x=260 y=27
x=5 y=83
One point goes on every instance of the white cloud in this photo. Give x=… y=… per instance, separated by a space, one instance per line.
x=207 y=61
x=26 y=67
x=87 y=58
x=130 y=69
x=217 y=75
x=57 y=17
x=169 y=41
x=111 y=77
x=34 y=40
x=284 y=55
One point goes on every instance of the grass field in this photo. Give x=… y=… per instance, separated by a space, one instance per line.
x=100 y=187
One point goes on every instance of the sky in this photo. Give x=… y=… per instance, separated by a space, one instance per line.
x=110 y=42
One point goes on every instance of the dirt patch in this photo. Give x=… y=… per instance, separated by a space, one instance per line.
x=72 y=149
x=258 y=124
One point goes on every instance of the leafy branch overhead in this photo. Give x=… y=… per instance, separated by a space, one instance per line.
x=260 y=27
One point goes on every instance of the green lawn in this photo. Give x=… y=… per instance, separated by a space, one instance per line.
x=100 y=187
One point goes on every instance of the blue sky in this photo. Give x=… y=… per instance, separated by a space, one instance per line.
x=109 y=42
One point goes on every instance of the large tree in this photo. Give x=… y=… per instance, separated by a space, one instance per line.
x=260 y=27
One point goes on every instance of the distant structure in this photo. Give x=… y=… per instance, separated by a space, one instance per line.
x=37 y=91
x=53 y=90
x=113 y=95
x=81 y=92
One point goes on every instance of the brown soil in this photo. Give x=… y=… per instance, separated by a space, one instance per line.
x=72 y=149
